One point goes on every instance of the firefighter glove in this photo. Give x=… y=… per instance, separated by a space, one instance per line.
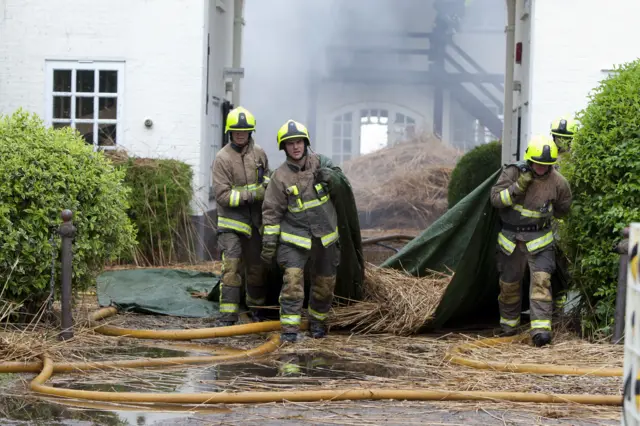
x=258 y=193
x=268 y=252
x=524 y=180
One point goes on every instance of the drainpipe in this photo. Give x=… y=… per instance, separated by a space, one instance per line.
x=238 y=23
x=508 y=82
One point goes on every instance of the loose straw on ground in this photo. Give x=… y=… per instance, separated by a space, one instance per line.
x=395 y=302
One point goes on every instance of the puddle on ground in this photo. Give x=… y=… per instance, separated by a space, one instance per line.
x=307 y=369
x=31 y=411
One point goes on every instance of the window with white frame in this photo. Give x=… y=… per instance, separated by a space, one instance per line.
x=374 y=130
x=404 y=127
x=342 y=148
x=87 y=96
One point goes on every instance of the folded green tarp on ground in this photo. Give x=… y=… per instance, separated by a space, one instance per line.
x=159 y=291
x=168 y=292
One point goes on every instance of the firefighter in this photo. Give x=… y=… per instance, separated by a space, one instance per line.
x=300 y=223
x=528 y=195
x=240 y=176
x=562 y=131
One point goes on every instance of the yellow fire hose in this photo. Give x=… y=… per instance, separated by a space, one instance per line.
x=48 y=368
x=454 y=356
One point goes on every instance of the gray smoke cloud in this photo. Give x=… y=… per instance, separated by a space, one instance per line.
x=286 y=42
x=281 y=40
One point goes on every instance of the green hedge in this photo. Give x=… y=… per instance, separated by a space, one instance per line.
x=472 y=169
x=604 y=173
x=161 y=194
x=42 y=172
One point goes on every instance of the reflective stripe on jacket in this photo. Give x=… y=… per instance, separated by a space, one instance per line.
x=236 y=172
x=546 y=197
x=297 y=208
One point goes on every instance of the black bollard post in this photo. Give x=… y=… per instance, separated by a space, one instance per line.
x=67 y=232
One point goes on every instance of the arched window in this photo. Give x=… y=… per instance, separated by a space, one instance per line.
x=363 y=128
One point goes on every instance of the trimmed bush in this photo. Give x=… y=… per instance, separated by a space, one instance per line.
x=604 y=173
x=472 y=169
x=160 y=200
x=42 y=172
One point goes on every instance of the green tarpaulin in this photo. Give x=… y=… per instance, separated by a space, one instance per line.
x=159 y=291
x=168 y=292
x=461 y=240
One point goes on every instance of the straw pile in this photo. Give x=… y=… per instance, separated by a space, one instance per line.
x=395 y=302
x=403 y=186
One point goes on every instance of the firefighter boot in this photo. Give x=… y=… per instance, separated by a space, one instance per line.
x=542 y=338
x=288 y=337
x=317 y=329
x=257 y=314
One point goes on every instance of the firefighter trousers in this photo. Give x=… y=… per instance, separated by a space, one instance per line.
x=512 y=269
x=240 y=252
x=323 y=281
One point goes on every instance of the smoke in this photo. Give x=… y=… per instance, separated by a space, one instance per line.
x=282 y=41
x=288 y=43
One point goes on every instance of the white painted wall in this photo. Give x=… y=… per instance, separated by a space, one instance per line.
x=572 y=43
x=163 y=46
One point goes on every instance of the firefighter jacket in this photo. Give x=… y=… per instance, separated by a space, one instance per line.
x=527 y=217
x=236 y=172
x=297 y=206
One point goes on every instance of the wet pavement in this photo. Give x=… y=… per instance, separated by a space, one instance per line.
x=18 y=411
x=283 y=371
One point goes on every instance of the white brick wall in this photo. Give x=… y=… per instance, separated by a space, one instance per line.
x=162 y=43
x=572 y=42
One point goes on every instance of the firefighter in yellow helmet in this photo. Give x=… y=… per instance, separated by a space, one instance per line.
x=240 y=176
x=300 y=222
x=528 y=195
x=562 y=131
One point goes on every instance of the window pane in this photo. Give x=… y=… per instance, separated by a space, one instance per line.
x=84 y=81
x=109 y=81
x=62 y=80
x=364 y=113
x=399 y=118
x=336 y=145
x=60 y=125
x=346 y=130
x=347 y=145
x=374 y=113
x=348 y=116
x=384 y=113
x=337 y=130
x=84 y=108
x=86 y=131
x=108 y=108
x=410 y=120
x=62 y=107
x=106 y=134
